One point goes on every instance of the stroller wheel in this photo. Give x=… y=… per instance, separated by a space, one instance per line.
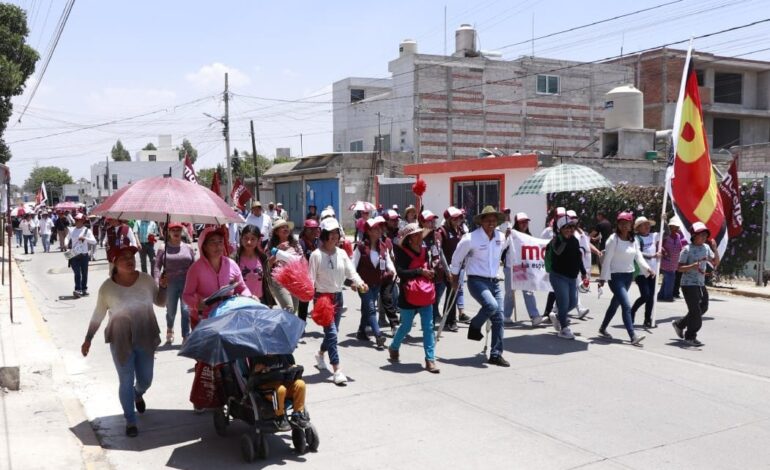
x=221 y=421
x=311 y=437
x=263 y=449
x=298 y=439
x=247 y=448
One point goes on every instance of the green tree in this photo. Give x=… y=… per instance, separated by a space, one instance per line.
x=235 y=165
x=205 y=175
x=17 y=63
x=283 y=160
x=247 y=164
x=53 y=177
x=119 y=153
x=150 y=146
x=187 y=148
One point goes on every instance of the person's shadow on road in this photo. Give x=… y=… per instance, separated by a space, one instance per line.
x=544 y=343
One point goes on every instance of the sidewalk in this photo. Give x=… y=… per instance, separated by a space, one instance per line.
x=38 y=423
x=745 y=289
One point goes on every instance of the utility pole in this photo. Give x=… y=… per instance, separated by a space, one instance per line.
x=301 y=146
x=107 y=181
x=256 y=168
x=226 y=122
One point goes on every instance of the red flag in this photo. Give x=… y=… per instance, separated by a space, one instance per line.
x=215 y=184
x=730 y=189
x=189 y=171
x=240 y=194
x=694 y=190
x=42 y=195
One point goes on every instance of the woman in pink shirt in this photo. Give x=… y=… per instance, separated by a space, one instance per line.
x=249 y=259
x=212 y=271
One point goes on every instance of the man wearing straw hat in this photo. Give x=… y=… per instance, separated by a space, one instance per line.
x=480 y=252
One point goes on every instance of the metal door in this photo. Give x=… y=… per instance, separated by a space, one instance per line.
x=396 y=193
x=323 y=193
x=474 y=195
x=290 y=194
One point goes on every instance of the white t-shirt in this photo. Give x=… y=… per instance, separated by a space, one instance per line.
x=649 y=247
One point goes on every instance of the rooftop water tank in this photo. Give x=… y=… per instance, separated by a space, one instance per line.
x=465 y=41
x=407 y=47
x=624 y=108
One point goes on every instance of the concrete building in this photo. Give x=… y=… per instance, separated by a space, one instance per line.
x=164 y=152
x=108 y=177
x=452 y=107
x=283 y=152
x=78 y=192
x=735 y=94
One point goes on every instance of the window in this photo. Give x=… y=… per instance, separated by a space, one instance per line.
x=114 y=181
x=385 y=143
x=548 y=84
x=728 y=88
x=357 y=146
x=699 y=76
x=474 y=195
x=356 y=95
x=151 y=158
x=727 y=132
x=105 y=181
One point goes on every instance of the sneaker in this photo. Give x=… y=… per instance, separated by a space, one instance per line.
x=463 y=318
x=141 y=406
x=453 y=328
x=498 y=361
x=381 y=341
x=604 y=334
x=281 y=423
x=679 y=331
x=555 y=321
x=537 y=320
x=320 y=362
x=339 y=378
x=76 y=294
x=132 y=430
x=566 y=333
x=301 y=418
x=509 y=321
x=647 y=324
x=637 y=339
x=362 y=336
x=693 y=342
x=84 y=293
x=582 y=312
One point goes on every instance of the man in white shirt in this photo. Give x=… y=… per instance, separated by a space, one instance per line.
x=46 y=229
x=259 y=219
x=271 y=212
x=81 y=238
x=282 y=212
x=27 y=230
x=479 y=252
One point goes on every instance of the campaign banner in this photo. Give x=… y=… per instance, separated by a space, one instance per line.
x=528 y=262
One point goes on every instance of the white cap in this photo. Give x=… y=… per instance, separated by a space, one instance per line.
x=699 y=227
x=392 y=215
x=521 y=216
x=374 y=221
x=560 y=211
x=572 y=214
x=564 y=220
x=428 y=215
x=327 y=213
x=395 y=207
x=453 y=212
x=330 y=224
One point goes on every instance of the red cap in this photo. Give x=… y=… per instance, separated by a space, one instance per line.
x=130 y=248
x=311 y=223
x=629 y=216
x=174 y=225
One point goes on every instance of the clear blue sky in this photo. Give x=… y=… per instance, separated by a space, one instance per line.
x=120 y=59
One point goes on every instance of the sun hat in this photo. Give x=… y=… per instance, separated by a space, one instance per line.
x=282 y=223
x=310 y=223
x=642 y=220
x=625 y=215
x=330 y=224
x=209 y=231
x=451 y=212
x=409 y=208
x=675 y=221
x=564 y=221
x=487 y=211
x=410 y=229
x=256 y=204
x=374 y=221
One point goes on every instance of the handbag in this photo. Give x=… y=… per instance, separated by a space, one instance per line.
x=419 y=291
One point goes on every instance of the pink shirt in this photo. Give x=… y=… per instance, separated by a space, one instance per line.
x=202 y=281
x=252 y=272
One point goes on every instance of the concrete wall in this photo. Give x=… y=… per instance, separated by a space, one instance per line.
x=128 y=172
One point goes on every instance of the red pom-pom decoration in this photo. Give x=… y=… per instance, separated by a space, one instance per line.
x=348 y=247
x=323 y=310
x=295 y=277
x=419 y=187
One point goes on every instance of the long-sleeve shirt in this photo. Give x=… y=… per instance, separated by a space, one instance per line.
x=567 y=257
x=619 y=257
x=672 y=246
x=80 y=247
x=374 y=255
x=178 y=260
x=263 y=222
x=132 y=322
x=482 y=253
x=202 y=281
x=403 y=261
x=329 y=272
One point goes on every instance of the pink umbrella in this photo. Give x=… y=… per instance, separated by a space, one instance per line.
x=66 y=206
x=362 y=206
x=161 y=199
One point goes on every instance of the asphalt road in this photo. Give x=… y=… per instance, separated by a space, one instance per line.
x=587 y=403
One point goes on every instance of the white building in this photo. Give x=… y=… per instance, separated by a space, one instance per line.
x=164 y=153
x=78 y=192
x=108 y=177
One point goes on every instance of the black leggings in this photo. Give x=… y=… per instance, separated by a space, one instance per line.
x=697 y=299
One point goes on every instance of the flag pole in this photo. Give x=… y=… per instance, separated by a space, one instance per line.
x=670 y=173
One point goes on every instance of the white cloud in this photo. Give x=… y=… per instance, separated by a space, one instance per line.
x=213 y=77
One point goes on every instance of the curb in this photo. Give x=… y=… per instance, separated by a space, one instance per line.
x=742 y=293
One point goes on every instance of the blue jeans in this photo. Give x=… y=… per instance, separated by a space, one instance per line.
x=646 y=289
x=565 y=290
x=460 y=291
x=619 y=284
x=17 y=231
x=488 y=294
x=369 y=311
x=426 y=320
x=667 y=289
x=329 y=343
x=508 y=293
x=79 y=265
x=174 y=298
x=135 y=377
x=530 y=301
x=46 y=242
x=28 y=241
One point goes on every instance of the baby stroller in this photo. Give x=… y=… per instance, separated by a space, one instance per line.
x=249 y=397
x=249 y=346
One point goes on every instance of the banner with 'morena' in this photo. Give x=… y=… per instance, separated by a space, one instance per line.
x=527 y=258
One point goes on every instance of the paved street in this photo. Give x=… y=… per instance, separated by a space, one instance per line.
x=563 y=404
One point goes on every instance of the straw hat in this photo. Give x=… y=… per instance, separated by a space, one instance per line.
x=282 y=223
x=487 y=211
x=411 y=229
x=642 y=220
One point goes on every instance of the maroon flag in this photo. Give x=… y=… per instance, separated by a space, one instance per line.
x=240 y=194
x=189 y=171
x=215 y=184
x=730 y=188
